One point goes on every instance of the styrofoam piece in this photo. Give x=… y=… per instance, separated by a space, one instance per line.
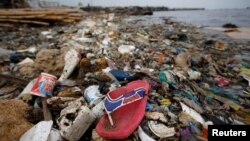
x=98 y=110
x=39 y=132
x=55 y=135
x=74 y=126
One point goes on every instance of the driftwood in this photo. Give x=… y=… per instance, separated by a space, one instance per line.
x=43 y=16
x=24 y=21
x=6 y=25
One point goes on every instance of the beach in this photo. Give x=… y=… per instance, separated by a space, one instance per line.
x=178 y=78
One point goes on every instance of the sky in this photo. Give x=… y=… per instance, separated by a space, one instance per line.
x=208 y=4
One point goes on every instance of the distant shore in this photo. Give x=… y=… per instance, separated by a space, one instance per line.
x=135 y=10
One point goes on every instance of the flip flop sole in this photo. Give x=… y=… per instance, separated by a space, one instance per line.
x=127 y=118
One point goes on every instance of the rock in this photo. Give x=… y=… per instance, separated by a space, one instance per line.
x=229 y=25
x=147 y=13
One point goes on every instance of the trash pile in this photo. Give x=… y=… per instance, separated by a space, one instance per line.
x=41 y=16
x=111 y=77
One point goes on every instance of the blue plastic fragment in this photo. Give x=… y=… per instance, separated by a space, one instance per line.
x=148 y=106
x=120 y=75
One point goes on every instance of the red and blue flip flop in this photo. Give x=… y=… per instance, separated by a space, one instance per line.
x=125 y=108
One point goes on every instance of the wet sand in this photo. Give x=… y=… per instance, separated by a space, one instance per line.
x=239 y=33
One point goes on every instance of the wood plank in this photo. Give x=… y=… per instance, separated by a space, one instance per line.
x=22 y=17
x=6 y=25
x=40 y=16
x=24 y=21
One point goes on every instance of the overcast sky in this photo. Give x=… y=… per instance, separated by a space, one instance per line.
x=209 y=4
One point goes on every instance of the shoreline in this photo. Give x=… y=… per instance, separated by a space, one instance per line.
x=235 y=33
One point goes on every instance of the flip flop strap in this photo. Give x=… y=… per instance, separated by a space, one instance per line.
x=130 y=97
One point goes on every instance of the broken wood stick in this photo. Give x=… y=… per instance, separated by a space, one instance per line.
x=46 y=112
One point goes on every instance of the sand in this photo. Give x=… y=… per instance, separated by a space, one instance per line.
x=240 y=33
x=12 y=119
